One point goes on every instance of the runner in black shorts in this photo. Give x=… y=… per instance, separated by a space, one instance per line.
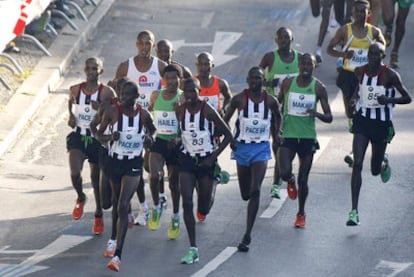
x=81 y=144
x=373 y=101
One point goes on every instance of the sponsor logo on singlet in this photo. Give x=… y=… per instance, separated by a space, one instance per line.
x=143 y=82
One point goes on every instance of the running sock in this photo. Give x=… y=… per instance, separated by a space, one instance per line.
x=144 y=206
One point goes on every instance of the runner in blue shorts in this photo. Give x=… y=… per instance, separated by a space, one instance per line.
x=257 y=111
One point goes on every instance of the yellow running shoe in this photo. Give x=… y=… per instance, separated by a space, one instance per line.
x=174 y=229
x=154 y=221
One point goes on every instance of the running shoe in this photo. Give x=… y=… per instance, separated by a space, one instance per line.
x=350 y=124
x=318 y=56
x=191 y=257
x=200 y=217
x=114 y=264
x=131 y=219
x=388 y=37
x=174 y=228
x=224 y=177
x=291 y=188
x=275 y=190
x=77 y=212
x=142 y=217
x=163 y=201
x=349 y=159
x=221 y=176
x=300 y=221
x=110 y=248
x=98 y=226
x=353 y=219
x=394 y=60
x=244 y=244
x=385 y=170
x=154 y=220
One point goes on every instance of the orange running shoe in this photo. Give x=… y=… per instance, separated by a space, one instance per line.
x=110 y=248
x=77 y=212
x=291 y=188
x=114 y=264
x=300 y=221
x=201 y=217
x=98 y=226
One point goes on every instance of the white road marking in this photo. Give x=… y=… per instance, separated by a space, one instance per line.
x=61 y=244
x=323 y=143
x=177 y=44
x=275 y=205
x=222 y=42
x=389 y=269
x=214 y=263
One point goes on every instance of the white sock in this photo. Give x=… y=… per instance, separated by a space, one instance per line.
x=144 y=206
x=319 y=51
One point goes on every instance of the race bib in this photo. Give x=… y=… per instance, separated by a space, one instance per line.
x=369 y=96
x=281 y=78
x=359 y=58
x=254 y=129
x=197 y=142
x=299 y=103
x=213 y=100
x=130 y=143
x=165 y=122
x=84 y=115
x=143 y=100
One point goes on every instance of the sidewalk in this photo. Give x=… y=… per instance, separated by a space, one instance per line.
x=46 y=76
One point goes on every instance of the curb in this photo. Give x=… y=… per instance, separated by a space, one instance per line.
x=46 y=77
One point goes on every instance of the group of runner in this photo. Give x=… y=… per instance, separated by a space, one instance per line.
x=380 y=12
x=156 y=113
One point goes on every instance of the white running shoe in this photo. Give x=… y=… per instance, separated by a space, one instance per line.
x=110 y=248
x=142 y=217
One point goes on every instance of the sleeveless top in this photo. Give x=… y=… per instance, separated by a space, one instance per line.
x=82 y=109
x=360 y=47
x=296 y=121
x=370 y=87
x=211 y=94
x=253 y=121
x=281 y=70
x=165 y=119
x=148 y=81
x=131 y=140
x=196 y=133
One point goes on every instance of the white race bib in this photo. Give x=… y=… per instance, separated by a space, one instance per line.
x=359 y=58
x=213 y=100
x=299 y=103
x=130 y=143
x=165 y=122
x=84 y=115
x=143 y=100
x=281 y=78
x=369 y=96
x=254 y=129
x=197 y=142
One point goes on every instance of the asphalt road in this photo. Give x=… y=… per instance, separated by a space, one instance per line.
x=39 y=238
